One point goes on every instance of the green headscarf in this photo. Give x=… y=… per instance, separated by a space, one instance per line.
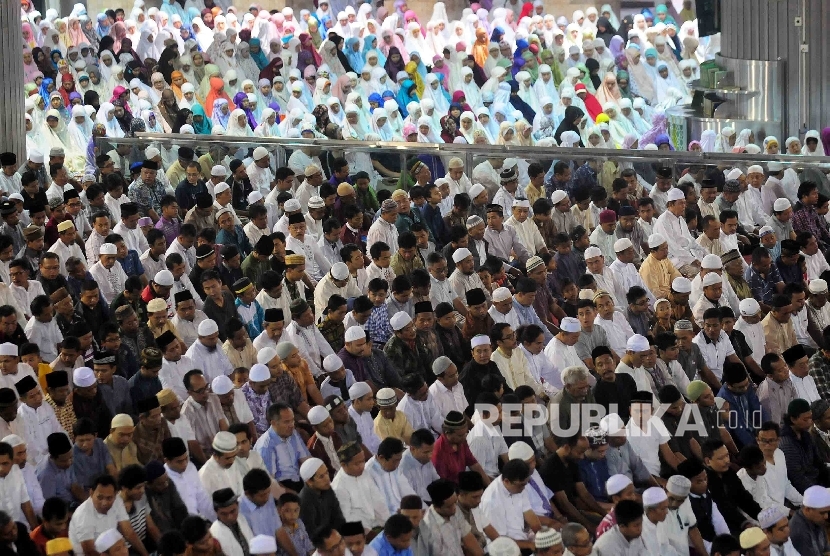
x=531 y=65
x=626 y=93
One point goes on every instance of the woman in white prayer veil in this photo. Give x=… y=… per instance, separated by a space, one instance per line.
x=592 y=138
x=472 y=94
x=246 y=65
x=426 y=131
x=336 y=114
x=791 y=181
x=569 y=139
x=381 y=82
x=79 y=130
x=352 y=128
x=723 y=140
x=381 y=127
x=570 y=80
x=238 y=124
x=414 y=112
x=433 y=92
x=545 y=86
x=322 y=91
x=566 y=97
x=619 y=126
x=745 y=137
x=328 y=52
x=53 y=132
x=526 y=91
x=626 y=111
x=414 y=40
x=296 y=101
x=291 y=121
x=816 y=149
x=707 y=141
x=544 y=123
x=502 y=95
x=428 y=111
x=106 y=65
x=496 y=77
x=467 y=126
x=269 y=125
x=435 y=40
x=365 y=116
x=106 y=117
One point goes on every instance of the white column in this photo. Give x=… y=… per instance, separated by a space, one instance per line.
x=12 y=109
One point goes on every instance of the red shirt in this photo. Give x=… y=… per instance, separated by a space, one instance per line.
x=40 y=539
x=448 y=462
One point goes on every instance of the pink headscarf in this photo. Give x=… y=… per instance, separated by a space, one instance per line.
x=410 y=15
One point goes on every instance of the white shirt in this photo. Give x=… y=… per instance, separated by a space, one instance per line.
x=190 y=488
x=114 y=205
x=607 y=281
x=647 y=443
x=727 y=297
x=462 y=283
x=87 y=524
x=560 y=357
x=134 y=238
x=536 y=502
x=188 y=329
x=13 y=494
x=640 y=376
x=326 y=288
x=25 y=297
x=305 y=192
x=316 y=264
x=33 y=489
x=151 y=267
x=214 y=477
x=392 y=486
x=64 y=252
x=419 y=475
x=677 y=524
x=628 y=277
x=254 y=233
x=511 y=318
x=714 y=353
x=487 y=444
x=528 y=233
x=110 y=281
x=366 y=428
x=360 y=498
x=448 y=399
x=540 y=367
x=805 y=388
x=223 y=534
x=261 y=178
x=655 y=537
x=799 y=320
x=92 y=246
x=779 y=486
x=39 y=424
x=505 y=511
x=422 y=414
x=188 y=254
x=757 y=488
x=213 y=363
x=381 y=230
x=683 y=249
x=754 y=334
x=172 y=374
x=312 y=345
x=618 y=331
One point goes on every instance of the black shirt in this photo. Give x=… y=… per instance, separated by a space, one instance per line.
x=560 y=476
x=618 y=392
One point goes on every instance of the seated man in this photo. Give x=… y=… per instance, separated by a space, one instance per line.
x=507 y=505
x=384 y=469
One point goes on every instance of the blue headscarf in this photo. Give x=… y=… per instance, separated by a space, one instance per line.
x=44 y=90
x=102 y=30
x=206 y=126
x=355 y=58
x=374 y=97
x=367 y=48
x=259 y=58
x=406 y=94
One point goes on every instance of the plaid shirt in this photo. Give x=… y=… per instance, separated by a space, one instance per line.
x=409 y=360
x=820 y=371
x=65 y=414
x=378 y=326
x=334 y=333
x=762 y=288
x=806 y=219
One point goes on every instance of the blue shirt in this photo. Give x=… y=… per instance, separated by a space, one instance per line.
x=527 y=315
x=594 y=473
x=131 y=264
x=282 y=457
x=237 y=238
x=264 y=519
x=87 y=467
x=383 y=548
x=56 y=482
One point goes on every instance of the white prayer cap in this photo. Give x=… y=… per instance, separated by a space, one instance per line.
x=208 y=327
x=36 y=156
x=258 y=373
x=386 y=397
x=481 y=340
x=108 y=249
x=13 y=440
x=681 y=284
x=265 y=355
x=355 y=333
x=292 y=205
x=224 y=442
x=151 y=152
x=775 y=166
x=734 y=174
x=8 y=348
x=501 y=294
x=266 y=544
x=221 y=385
x=570 y=324
x=766 y=519
x=332 y=363
x=520 y=450
x=83 y=377
x=679 y=485
x=711 y=279
x=17 y=197
x=782 y=204
x=755 y=169
x=220 y=187
x=616 y=483
x=476 y=190
x=612 y=424
x=711 y=262
x=592 y=251
x=750 y=307
x=816 y=286
x=400 y=320
x=254 y=197
x=317 y=415
x=504 y=546
x=622 y=244
x=547 y=537
x=219 y=171
x=653 y=496
x=316 y=202
x=557 y=196
x=461 y=254
x=637 y=343
x=817 y=497
x=164 y=278
x=358 y=390
x=655 y=240
x=107 y=540
x=339 y=271
x=260 y=152
x=440 y=365
x=521 y=203
x=675 y=195
x=765 y=230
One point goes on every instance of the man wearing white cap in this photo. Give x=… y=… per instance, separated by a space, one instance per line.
x=684 y=252
x=624 y=270
x=773 y=188
x=66 y=247
x=336 y=281
x=262 y=545
x=774 y=522
x=28 y=471
x=713 y=264
x=206 y=353
x=502 y=308
x=657 y=271
x=818 y=310
x=527 y=230
x=464 y=278
x=503 y=241
x=749 y=324
x=561 y=351
x=807 y=525
x=363 y=401
x=604 y=277
x=108 y=272
x=259 y=172
x=111 y=543
x=222 y=470
x=654 y=535
x=310 y=187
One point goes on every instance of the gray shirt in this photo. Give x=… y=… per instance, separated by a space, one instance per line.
x=625 y=461
x=807 y=537
x=589 y=340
